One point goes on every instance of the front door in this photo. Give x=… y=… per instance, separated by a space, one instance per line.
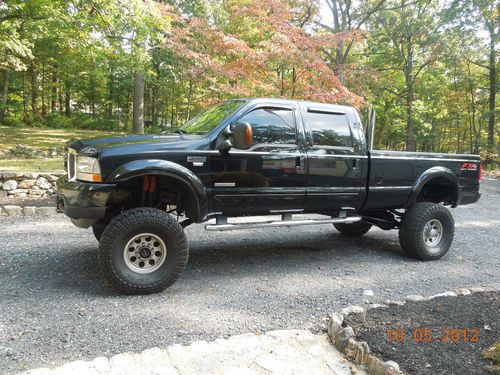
x=269 y=175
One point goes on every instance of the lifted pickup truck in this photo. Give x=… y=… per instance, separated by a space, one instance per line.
x=254 y=157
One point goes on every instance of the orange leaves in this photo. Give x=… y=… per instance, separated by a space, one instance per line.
x=260 y=52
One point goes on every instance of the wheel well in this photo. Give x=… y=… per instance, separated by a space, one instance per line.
x=157 y=191
x=437 y=190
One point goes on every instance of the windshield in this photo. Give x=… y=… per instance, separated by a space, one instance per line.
x=208 y=120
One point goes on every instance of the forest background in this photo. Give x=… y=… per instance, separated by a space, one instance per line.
x=428 y=67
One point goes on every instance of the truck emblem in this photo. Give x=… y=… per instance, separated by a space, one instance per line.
x=197 y=161
x=468 y=167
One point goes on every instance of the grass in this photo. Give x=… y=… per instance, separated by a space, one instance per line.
x=492 y=354
x=41 y=139
x=32 y=165
x=44 y=139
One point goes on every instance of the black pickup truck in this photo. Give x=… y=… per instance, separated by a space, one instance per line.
x=254 y=157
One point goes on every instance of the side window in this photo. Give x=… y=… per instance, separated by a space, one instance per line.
x=271 y=126
x=330 y=129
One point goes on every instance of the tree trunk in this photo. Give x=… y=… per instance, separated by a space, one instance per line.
x=44 y=110
x=138 y=105
x=410 y=137
x=491 y=114
x=34 y=91
x=190 y=99
x=410 y=132
x=111 y=84
x=67 y=98
x=53 y=101
x=5 y=90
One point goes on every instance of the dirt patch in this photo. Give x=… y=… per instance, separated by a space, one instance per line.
x=445 y=335
x=36 y=202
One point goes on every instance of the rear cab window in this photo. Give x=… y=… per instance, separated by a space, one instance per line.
x=330 y=132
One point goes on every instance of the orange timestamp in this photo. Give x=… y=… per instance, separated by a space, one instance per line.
x=447 y=335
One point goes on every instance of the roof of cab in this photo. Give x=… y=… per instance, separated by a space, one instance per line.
x=305 y=103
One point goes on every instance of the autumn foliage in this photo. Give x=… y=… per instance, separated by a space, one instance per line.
x=259 y=51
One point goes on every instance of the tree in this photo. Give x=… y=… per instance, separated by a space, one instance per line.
x=407 y=38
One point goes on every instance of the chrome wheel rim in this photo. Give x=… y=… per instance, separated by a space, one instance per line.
x=433 y=233
x=145 y=253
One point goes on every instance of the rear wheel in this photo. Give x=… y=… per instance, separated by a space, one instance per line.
x=354 y=229
x=143 y=250
x=426 y=231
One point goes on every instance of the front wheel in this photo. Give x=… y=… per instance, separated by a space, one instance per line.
x=142 y=251
x=426 y=231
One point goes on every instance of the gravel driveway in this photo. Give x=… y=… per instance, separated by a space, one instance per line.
x=55 y=308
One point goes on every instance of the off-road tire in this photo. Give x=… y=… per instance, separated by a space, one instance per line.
x=98 y=229
x=413 y=224
x=354 y=229
x=114 y=242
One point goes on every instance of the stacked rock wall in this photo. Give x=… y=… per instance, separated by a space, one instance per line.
x=28 y=184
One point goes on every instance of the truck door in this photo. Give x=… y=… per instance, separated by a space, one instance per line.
x=268 y=176
x=337 y=162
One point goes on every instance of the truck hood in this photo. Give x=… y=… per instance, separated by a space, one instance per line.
x=131 y=144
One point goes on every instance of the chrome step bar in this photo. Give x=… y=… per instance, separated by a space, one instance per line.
x=222 y=224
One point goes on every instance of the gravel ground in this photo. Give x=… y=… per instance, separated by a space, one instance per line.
x=54 y=307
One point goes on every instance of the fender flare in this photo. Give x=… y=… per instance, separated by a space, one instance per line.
x=429 y=175
x=170 y=169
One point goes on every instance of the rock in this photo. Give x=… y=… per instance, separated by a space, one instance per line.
x=9 y=185
x=42 y=183
x=47 y=211
x=1 y=183
x=343 y=337
x=26 y=184
x=51 y=178
x=9 y=175
x=445 y=294
x=393 y=303
x=31 y=175
x=13 y=210
x=477 y=289
x=367 y=293
x=21 y=191
x=39 y=371
x=29 y=211
x=335 y=324
x=21 y=195
x=354 y=309
x=270 y=363
x=3 y=194
x=82 y=312
x=36 y=192
x=101 y=364
x=391 y=368
x=414 y=298
x=463 y=292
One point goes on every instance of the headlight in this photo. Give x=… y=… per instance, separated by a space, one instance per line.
x=88 y=169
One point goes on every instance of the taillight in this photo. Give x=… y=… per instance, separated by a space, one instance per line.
x=480 y=175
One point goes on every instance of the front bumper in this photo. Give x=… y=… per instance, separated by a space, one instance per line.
x=83 y=200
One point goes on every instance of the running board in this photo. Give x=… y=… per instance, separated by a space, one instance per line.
x=222 y=223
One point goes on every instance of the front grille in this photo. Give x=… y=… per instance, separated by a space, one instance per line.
x=71 y=164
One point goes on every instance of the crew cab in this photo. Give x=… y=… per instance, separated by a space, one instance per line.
x=255 y=157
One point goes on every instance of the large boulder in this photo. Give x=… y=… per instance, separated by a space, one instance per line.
x=9 y=185
x=26 y=184
x=42 y=183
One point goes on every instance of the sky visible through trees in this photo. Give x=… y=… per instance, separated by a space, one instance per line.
x=428 y=67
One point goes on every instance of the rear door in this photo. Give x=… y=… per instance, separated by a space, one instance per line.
x=270 y=175
x=337 y=162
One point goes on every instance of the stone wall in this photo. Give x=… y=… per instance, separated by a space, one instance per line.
x=27 y=185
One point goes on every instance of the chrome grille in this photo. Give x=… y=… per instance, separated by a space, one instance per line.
x=71 y=164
